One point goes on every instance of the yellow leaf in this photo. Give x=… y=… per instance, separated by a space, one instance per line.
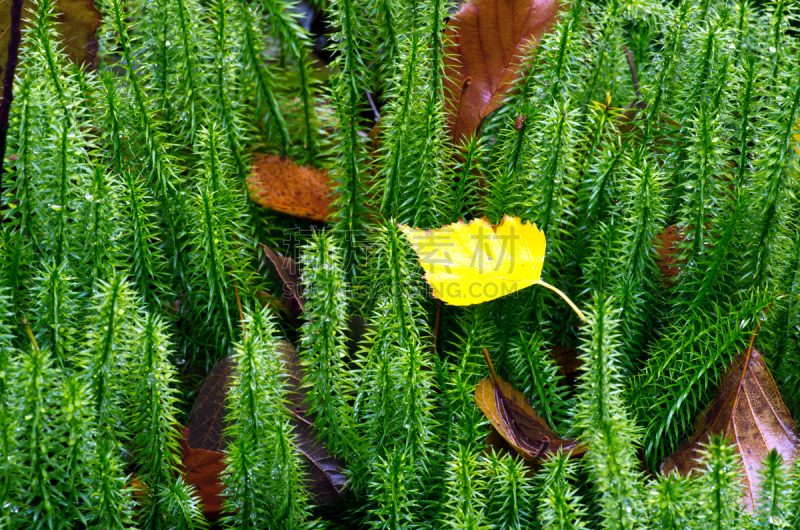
x=472 y=263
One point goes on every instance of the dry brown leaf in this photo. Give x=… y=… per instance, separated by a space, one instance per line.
x=489 y=38
x=749 y=411
x=278 y=183
x=512 y=416
x=203 y=442
x=78 y=21
x=325 y=478
x=289 y=272
x=202 y=469
x=668 y=253
x=207 y=420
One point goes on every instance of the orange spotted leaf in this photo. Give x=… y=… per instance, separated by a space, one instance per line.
x=278 y=183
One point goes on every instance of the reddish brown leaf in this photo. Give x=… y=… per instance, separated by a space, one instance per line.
x=289 y=272
x=78 y=21
x=278 y=183
x=749 y=411
x=668 y=252
x=207 y=419
x=515 y=420
x=203 y=442
x=202 y=469
x=489 y=38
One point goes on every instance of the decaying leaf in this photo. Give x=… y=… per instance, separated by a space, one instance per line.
x=489 y=38
x=203 y=442
x=472 y=263
x=202 y=469
x=78 y=21
x=668 y=252
x=750 y=413
x=278 y=183
x=515 y=420
x=325 y=478
x=207 y=420
x=289 y=272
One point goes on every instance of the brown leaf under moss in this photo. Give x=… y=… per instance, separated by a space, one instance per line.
x=289 y=272
x=202 y=469
x=325 y=478
x=203 y=442
x=666 y=244
x=749 y=411
x=278 y=183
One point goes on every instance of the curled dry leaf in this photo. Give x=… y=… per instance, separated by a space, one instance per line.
x=750 y=413
x=77 y=22
x=489 y=38
x=203 y=442
x=516 y=422
x=289 y=272
x=278 y=183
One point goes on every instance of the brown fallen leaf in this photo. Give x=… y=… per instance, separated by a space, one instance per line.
x=278 y=183
x=289 y=272
x=750 y=413
x=489 y=38
x=203 y=470
x=668 y=253
x=325 y=479
x=203 y=442
x=207 y=419
x=569 y=363
x=78 y=21
x=512 y=416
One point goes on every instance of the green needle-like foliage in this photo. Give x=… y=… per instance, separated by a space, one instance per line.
x=6 y=437
x=774 y=493
x=673 y=501
x=263 y=474
x=720 y=485
x=215 y=242
x=396 y=367
x=323 y=346
x=156 y=438
x=535 y=374
x=510 y=492
x=464 y=491
x=394 y=494
x=349 y=173
x=560 y=505
x=39 y=477
x=608 y=429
